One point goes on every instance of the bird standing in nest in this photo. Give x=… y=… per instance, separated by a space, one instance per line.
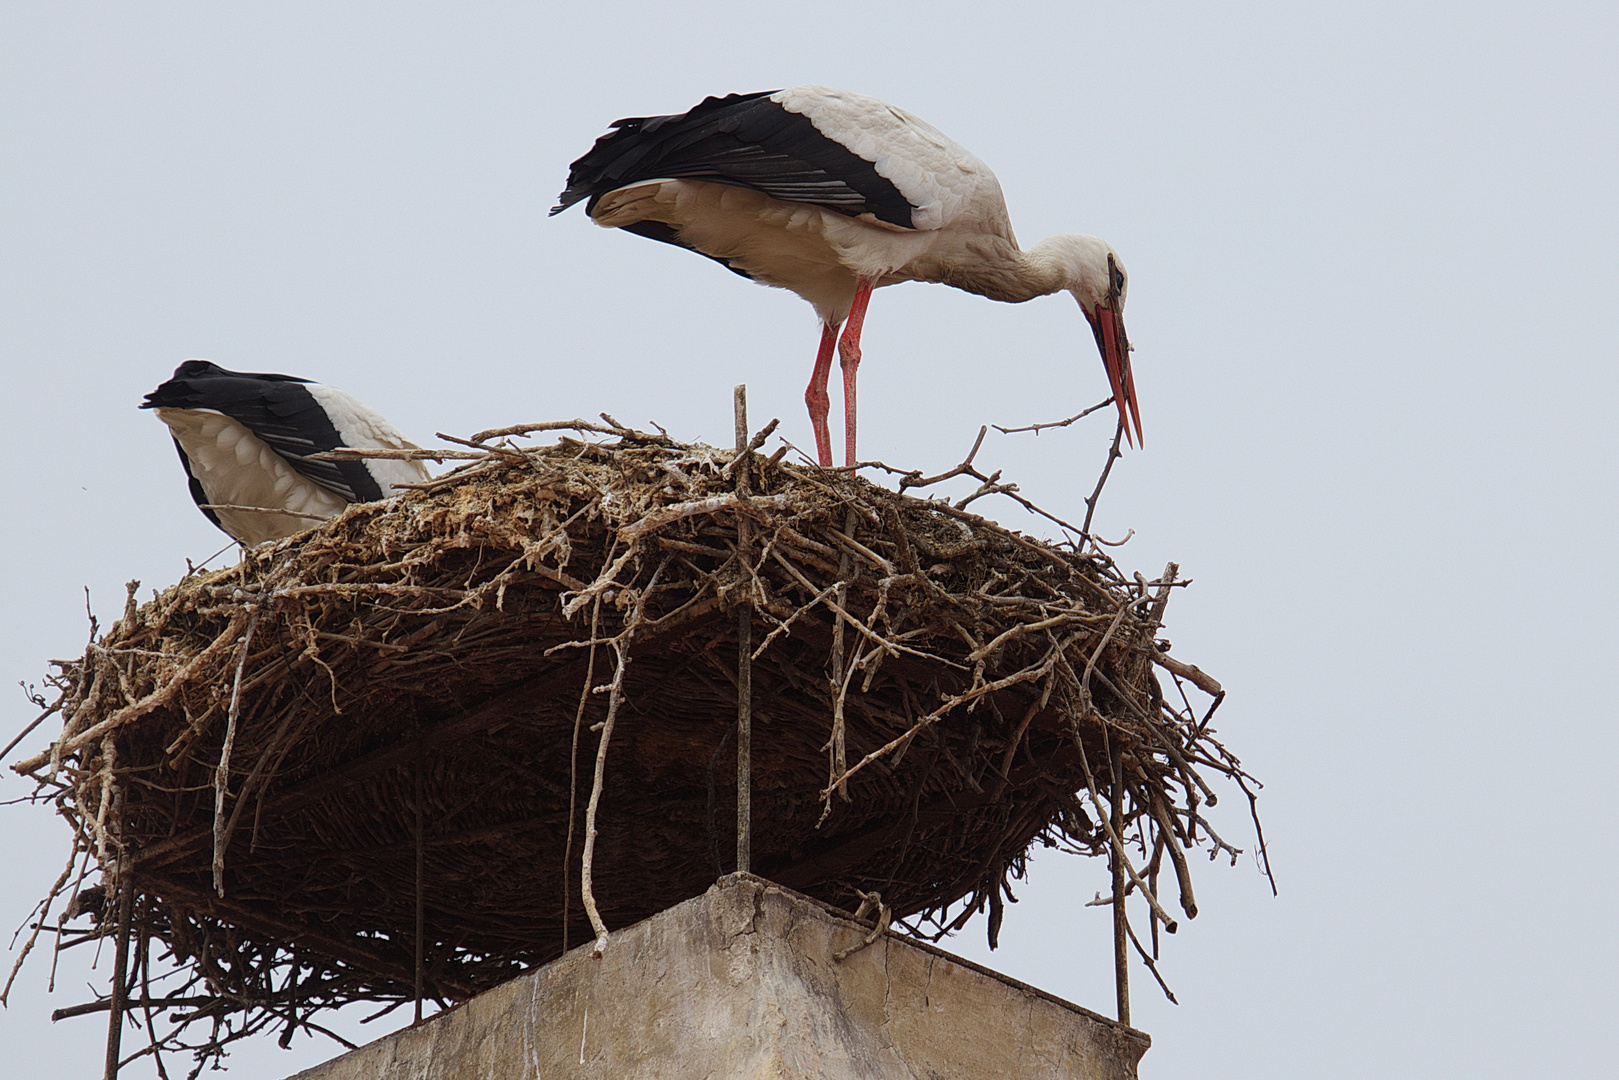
x=245 y=440
x=832 y=194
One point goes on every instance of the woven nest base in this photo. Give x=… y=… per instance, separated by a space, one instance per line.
x=278 y=763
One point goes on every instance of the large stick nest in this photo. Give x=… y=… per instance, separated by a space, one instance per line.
x=405 y=705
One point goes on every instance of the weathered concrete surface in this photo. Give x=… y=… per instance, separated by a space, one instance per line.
x=741 y=983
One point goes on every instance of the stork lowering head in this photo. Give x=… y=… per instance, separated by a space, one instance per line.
x=1093 y=272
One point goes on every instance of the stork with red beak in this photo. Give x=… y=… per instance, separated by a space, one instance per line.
x=832 y=194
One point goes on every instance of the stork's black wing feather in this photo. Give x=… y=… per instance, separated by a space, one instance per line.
x=276 y=408
x=743 y=139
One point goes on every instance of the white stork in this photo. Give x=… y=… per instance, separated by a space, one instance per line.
x=832 y=194
x=245 y=441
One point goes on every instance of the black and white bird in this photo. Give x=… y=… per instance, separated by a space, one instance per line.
x=832 y=194
x=245 y=440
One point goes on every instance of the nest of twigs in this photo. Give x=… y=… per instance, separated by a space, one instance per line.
x=372 y=761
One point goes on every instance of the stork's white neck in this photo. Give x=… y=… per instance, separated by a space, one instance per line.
x=1042 y=269
x=1068 y=261
x=1075 y=262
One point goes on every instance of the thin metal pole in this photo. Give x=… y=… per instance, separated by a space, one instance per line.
x=120 y=976
x=421 y=868
x=1121 y=925
x=744 y=658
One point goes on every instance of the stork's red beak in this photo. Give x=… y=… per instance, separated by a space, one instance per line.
x=1108 y=326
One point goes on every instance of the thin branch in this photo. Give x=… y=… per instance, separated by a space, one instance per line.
x=1151 y=965
x=222 y=773
x=25 y=732
x=754 y=443
x=573 y=768
x=915 y=479
x=1113 y=455
x=667 y=515
x=621 y=649
x=1038 y=428
x=378 y=453
x=615 y=428
x=235 y=508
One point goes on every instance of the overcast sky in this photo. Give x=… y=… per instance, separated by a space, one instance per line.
x=1373 y=297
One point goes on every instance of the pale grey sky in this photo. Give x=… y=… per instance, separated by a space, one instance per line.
x=1372 y=266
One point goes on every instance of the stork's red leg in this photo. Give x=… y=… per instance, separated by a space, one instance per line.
x=849 y=357
x=816 y=397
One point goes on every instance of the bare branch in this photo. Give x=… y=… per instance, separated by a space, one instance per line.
x=1038 y=428
x=1091 y=500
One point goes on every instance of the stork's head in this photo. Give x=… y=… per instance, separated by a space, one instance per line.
x=1096 y=277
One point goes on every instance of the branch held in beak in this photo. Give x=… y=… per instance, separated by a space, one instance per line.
x=1107 y=324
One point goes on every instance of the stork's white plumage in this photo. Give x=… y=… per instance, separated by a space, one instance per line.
x=245 y=441
x=832 y=194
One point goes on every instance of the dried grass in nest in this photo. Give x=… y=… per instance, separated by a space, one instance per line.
x=355 y=766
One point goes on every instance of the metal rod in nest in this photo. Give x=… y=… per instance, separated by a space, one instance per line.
x=120 y=977
x=418 y=769
x=1121 y=922
x=744 y=653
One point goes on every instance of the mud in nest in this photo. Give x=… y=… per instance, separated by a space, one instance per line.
x=358 y=765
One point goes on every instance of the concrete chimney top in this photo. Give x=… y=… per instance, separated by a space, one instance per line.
x=744 y=981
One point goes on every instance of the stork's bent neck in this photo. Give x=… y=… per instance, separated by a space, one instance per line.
x=1013 y=276
x=1045 y=269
